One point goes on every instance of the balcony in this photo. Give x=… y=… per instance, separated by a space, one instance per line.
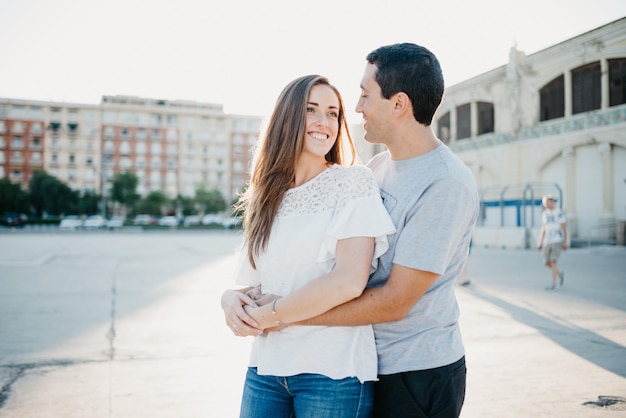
x=72 y=129
x=13 y=176
x=55 y=127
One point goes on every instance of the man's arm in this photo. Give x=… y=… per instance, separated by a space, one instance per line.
x=387 y=303
x=564 y=229
x=540 y=240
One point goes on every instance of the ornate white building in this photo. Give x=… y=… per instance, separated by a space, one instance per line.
x=551 y=122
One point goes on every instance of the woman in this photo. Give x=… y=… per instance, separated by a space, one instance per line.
x=314 y=229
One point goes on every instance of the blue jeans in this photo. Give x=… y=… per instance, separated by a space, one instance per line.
x=305 y=396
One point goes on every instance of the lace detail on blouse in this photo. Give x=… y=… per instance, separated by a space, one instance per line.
x=330 y=190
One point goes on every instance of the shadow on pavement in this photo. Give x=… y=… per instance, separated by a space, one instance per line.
x=587 y=344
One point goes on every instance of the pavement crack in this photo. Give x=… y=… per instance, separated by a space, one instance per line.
x=111 y=333
x=17 y=371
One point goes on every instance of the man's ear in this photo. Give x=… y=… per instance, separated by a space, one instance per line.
x=402 y=104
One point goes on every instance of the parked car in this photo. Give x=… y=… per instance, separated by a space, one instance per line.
x=14 y=219
x=94 y=222
x=231 y=222
x=70 y=223
x=191 y=220
x=142 y=219
x=168 y=221
x=211 y=219
x=115 y=222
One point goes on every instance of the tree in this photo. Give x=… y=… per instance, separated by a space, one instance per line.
x=12 y=197
x=210 y=201
x=49 y=194
x=153 y=203
x=186 y=205
x=88 y=203
x=124 y=189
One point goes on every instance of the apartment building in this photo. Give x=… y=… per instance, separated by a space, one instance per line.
x=550 y=122
x=175 y=146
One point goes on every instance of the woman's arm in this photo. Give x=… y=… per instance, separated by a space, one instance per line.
x=345 y=282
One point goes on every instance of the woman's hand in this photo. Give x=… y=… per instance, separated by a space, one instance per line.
x=237 y=319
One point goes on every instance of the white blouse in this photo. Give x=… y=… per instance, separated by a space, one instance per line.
x=341 y=202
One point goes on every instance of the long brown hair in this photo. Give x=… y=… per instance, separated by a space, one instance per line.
x=275 y=158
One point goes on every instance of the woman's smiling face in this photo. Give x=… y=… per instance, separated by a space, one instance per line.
x=322 y=120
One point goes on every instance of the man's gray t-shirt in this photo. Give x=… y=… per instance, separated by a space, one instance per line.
x=433 y=202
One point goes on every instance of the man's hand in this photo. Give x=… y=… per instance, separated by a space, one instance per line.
x=242 y=324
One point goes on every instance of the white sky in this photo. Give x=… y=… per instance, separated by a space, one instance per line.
x=241 y=53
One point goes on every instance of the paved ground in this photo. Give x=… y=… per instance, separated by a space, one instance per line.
x=99 y=324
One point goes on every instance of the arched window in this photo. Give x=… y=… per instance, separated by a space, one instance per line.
x=485 y=118
x=552 y=99
x=443 y=128
x=586 y=88
x=463 y=121
x=617 y=81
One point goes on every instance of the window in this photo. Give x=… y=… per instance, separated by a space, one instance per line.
x=617 y=81
x=463 y=121
x=36 y=112
x=125 y=147
x=54 y=158
x=109 y=132
x=18 y=112
x=35 y=142
x=155 y=120
x=72 y=159
x=443 y=128
x=3 y=128
x=89 y=160
x=485 y=118
x=36 y=129
x=35 y=157
x=56 y=115
x=552 y=99
x=586 y=88
x=16 y=157
x=72 y=115
x=109 y=117
x=18 y=128
x=17 y=142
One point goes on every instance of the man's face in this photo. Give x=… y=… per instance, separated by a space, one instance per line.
x=549 y=204
x=375 y=109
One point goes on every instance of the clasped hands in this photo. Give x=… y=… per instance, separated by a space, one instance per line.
x=239 y=308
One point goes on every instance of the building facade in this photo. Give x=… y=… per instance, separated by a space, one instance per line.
x=173 y=146
x=551 y=122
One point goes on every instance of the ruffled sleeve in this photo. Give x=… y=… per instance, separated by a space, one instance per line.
x=360 y=213
x=245 y=274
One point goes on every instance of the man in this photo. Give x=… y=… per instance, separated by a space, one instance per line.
x=552 y=238
x=433 y=200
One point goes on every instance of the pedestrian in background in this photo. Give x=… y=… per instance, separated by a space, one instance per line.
x=552 y=239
